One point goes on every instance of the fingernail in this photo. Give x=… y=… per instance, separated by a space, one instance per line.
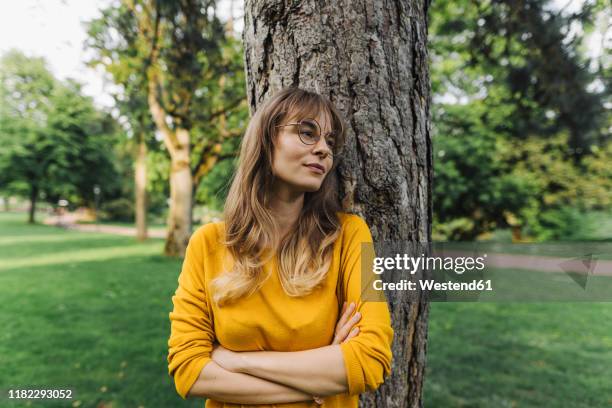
x=352 y=304
x=358 y=315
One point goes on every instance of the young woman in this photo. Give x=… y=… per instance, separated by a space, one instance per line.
x=269 y=308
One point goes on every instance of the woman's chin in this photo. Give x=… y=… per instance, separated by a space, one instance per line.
x=311 y=188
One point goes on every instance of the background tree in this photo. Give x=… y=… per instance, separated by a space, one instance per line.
x=55 y=142
x=87 y=138
x=371 y=61
x=182 y=51
x=520 y=112
x=121 y=61
x=27 y=85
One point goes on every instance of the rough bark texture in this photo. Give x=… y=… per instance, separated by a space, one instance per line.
x=370 y=58
x=140 y=192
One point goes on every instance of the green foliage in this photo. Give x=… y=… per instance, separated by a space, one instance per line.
x=520 y=137
x=120 y=209
x=26 y=88
x=182 y=51
x=215 y=185
x=522 y=57
x=596 y=183
x=473 y=186
x=562 y=223
x=55 y=143
x=483 y=182
x=563 y=192
x=88 y=138
x=158 y=183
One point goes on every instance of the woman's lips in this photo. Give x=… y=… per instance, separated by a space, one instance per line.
x=315 y=169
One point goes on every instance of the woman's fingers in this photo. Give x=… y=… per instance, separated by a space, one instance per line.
x=346 y=312
x=344 y=331
x=338 y=332
x=354 y=331
x=343 y=308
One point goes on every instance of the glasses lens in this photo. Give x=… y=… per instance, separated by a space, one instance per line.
x=309 y=131
x=330 y=139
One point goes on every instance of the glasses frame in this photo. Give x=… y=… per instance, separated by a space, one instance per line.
x=332 y=154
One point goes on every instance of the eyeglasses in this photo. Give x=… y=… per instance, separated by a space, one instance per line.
x=309 y=133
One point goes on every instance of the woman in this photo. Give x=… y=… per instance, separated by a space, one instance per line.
x=269 y=306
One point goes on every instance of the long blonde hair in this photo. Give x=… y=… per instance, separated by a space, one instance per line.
x=250 y=231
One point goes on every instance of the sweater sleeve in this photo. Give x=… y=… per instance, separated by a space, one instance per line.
x=367 y=357
x=192 y=334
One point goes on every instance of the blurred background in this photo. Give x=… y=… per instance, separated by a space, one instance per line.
x=522 y=155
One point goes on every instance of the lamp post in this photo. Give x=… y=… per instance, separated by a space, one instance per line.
x=63 y=204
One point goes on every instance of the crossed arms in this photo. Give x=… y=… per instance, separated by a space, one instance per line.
x=267 y=377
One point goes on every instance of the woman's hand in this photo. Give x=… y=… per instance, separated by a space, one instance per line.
x=230 y=360
x=344 y=328
x=344 y=331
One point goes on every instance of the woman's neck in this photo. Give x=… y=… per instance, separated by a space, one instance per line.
x=286 y=208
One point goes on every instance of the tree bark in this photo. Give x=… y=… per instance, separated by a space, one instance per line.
x=370 y=59
x=140 y=190
x=178 y=144
x=180 y=211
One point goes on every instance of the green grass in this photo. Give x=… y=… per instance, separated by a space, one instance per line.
x=519 y=355
x=90 y=312
x=154 y=225
x=85 y=311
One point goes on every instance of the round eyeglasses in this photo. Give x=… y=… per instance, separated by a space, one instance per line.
x=309 y=133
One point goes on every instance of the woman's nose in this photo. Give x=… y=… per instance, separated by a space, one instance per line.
x=322 y=147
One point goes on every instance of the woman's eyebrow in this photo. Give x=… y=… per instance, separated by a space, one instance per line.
x=332 y=131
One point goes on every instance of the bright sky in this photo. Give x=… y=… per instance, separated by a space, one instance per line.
x=54 y=29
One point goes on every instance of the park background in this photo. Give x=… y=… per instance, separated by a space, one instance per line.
x=521 y=128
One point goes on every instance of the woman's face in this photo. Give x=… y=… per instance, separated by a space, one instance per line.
x=295 y=163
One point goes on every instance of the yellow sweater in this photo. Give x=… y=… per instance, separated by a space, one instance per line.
x=272 y=321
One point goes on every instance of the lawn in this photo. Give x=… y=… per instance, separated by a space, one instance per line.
x=519 y=355
x=90 y=312
x=87 y=312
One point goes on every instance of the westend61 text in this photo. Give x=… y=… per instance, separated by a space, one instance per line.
x=433 y=285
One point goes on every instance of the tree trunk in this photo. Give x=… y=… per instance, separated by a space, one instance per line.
x=370 y=59
x=33 y=198
x=178 y=144
x=140 y=190
x=180 y=212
